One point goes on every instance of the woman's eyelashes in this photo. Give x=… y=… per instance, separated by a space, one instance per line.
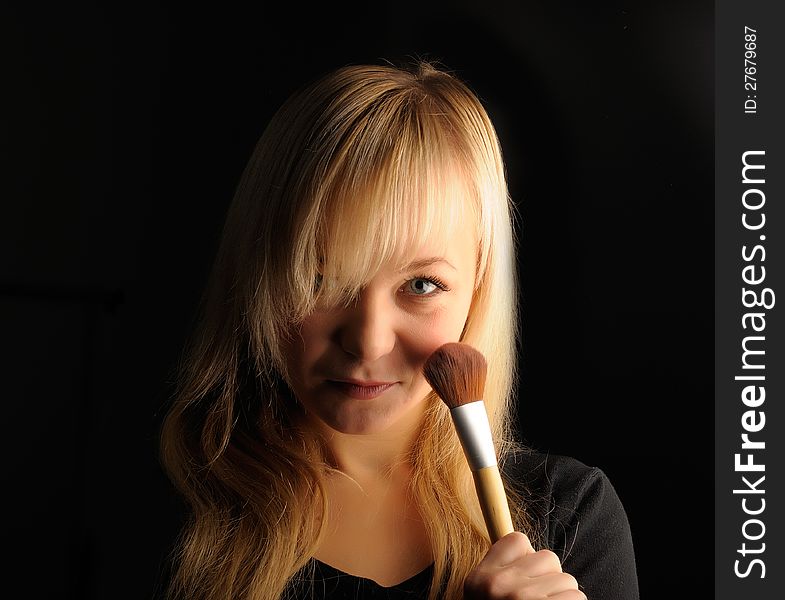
x=420 y=287
x=425 y=286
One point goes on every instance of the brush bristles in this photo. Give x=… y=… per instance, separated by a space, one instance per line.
x=456 y=372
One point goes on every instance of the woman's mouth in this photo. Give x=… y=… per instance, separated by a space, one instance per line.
x=363 y=392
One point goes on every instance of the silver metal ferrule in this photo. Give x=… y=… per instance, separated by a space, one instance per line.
x=474 y=431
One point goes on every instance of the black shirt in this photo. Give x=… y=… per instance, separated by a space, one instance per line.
x=581 y=519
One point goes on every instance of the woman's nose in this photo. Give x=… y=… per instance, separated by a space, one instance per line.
x=368 y=331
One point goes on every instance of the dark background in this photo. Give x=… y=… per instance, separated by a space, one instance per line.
x=123 y=137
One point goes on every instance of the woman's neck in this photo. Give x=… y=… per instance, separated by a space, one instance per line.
x=374 y=527
x=373 y=457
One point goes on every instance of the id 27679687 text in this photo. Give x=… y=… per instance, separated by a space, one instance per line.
x=750 y=70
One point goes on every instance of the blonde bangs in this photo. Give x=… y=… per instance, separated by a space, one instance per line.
x=388 y=196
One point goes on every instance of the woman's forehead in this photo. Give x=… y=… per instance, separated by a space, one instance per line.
x=445 y=248
x=425 y=259
x=398 y=215
x=453 y=249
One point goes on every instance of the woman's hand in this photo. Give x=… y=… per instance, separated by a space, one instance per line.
x=513 y=570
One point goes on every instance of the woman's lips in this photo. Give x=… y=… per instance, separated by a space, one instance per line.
x=362 y=392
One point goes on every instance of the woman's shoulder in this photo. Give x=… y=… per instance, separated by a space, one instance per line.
x=577 y=513
x=553 y=476
x=563 y=494
x=532 y=464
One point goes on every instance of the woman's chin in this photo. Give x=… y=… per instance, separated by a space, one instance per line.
x=364 y=421
x=353 y=416
x=361 y=417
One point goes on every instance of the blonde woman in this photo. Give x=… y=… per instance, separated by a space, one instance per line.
x=371 y=225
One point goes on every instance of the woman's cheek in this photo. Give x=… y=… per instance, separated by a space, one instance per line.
x=445 y=323
x=428 y=334
x=306 y=345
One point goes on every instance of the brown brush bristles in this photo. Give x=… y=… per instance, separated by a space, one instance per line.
x=456 y=372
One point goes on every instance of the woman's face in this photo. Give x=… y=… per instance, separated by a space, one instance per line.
x=398 y=320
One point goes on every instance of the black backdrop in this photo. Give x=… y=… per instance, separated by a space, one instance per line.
x=124 y=134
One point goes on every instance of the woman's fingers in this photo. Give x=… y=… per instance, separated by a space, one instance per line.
x=538 y=563
x=569 y=595
x=512 y=569
x=508 y=549
x=543 y=586
x=514 y=582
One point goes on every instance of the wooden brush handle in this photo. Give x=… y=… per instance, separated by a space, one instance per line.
x=493 y=501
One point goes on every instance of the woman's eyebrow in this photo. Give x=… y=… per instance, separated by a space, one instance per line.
x=426 y=262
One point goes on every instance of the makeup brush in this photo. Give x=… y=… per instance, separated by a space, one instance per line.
x=456 y=371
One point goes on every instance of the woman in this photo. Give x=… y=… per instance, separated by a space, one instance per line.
x=371 y=225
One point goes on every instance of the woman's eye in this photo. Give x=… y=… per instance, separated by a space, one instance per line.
x=425 y=286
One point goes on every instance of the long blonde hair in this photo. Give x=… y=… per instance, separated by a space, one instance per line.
x=354 y=170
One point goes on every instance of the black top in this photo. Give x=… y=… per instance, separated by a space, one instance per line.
x=581 y=519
